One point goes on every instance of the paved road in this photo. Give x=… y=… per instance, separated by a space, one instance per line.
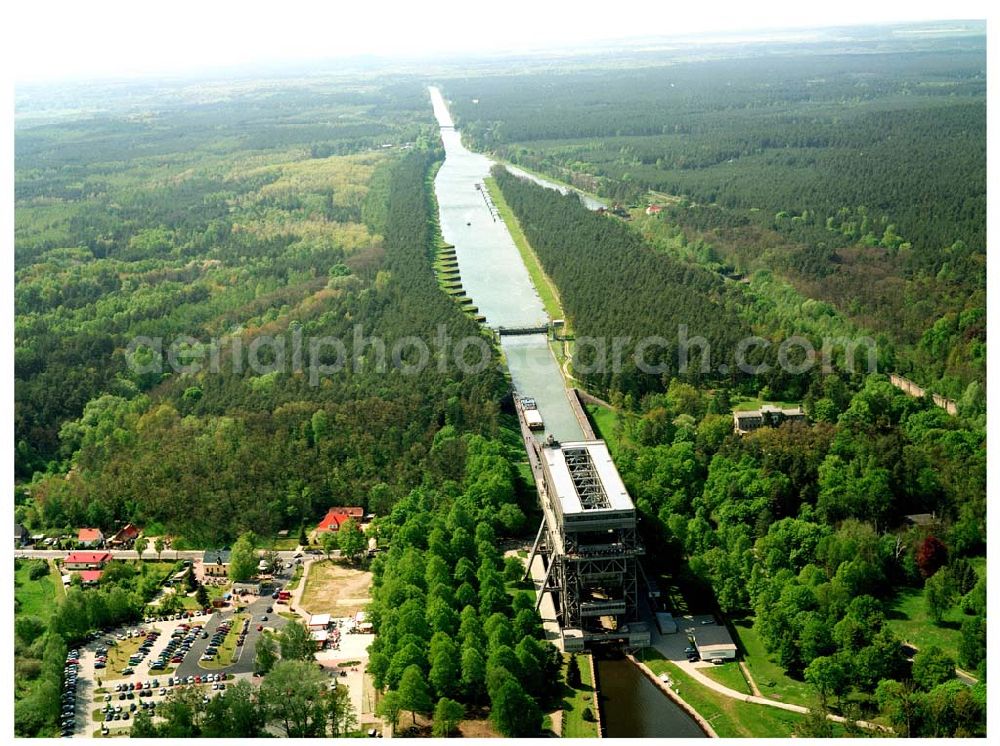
x=168 y=555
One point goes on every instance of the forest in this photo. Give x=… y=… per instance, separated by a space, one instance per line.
x=859 y=177
x=802 y=531
x=454 y=622
x=276 y=242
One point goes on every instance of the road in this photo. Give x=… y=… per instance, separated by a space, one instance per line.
x=123 y=554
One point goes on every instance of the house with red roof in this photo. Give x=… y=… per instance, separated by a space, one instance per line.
x=86 y=561
x=654 y=210
x=125 y=537
x=90 y=537
x=333 y=520
x=90 y=577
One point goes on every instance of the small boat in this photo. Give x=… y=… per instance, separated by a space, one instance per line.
x=469 y=223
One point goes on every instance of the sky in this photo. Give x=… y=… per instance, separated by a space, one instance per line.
x=51 y=40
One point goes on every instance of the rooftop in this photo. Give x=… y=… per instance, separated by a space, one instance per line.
x=216 y=557
x=584 y=477
x=712 y=636
x=87 y=557
x=90 y=534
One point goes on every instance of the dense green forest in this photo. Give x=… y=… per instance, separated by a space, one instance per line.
x=246 y=243
x=453 y=620
x=860 y=177
x=801 y=528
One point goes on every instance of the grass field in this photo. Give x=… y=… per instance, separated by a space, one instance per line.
x=578 y=700
x=296 y=579
x=606 y=422
x=336 y=589
x=118 y=658
x=37 y=597
x=546 y=289
x=729 y=675
x=772 y=680
x=731 y=718
x=908 y=618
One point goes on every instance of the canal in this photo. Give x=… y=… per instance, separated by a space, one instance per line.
x=633 y=707
x=495 y=277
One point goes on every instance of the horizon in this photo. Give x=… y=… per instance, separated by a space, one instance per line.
x=114 y=46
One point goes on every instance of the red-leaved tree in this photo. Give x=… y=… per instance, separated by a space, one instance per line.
x=932 y=555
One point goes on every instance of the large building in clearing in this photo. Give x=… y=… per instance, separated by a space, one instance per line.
x=767 y=416
x=589 y=542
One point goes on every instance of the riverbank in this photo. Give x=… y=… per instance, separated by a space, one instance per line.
x=665 y=688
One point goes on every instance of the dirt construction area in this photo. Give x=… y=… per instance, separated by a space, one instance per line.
x=335 y=589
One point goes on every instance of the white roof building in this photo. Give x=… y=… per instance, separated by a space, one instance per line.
x=319 y=621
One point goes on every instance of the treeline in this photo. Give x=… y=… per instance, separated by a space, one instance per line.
x=805 y=527
x=860 y=177
x=211 y=455
x=776 y=133
x=196 y=219
x=448 y=629
x=614 y=286
x=293 y=697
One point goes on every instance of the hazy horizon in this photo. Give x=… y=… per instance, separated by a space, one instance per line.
x=62 y=43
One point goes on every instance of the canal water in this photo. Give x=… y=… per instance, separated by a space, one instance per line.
x=633 y=707
x=590 y=202
x=494 y=276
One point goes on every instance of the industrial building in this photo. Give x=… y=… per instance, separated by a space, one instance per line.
x=589 y=544
x=713 y=641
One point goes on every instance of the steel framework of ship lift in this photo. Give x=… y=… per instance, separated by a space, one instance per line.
x=575 y=568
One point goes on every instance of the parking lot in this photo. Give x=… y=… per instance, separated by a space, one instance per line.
x=180 y=642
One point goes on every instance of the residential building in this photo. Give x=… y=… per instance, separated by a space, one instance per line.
x=125 y=537
x=90 y=577
x=90 y=537
x=215 y=563
x=767 y=416
x=86 y=561
x=337 y=517
x=20 y=535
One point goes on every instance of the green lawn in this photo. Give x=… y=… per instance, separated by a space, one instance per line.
x=573 y=724
x=908 y=618
x=771 y=678
x=284 y=544
x=731 y=718
x=296 y=579
x=118 y=657
x=37 y=597
x=606 y=422
x=728 y=674
x=546 y=289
